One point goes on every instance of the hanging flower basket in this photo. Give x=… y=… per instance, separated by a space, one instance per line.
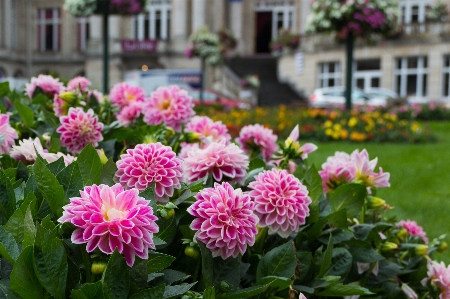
x=85 y=8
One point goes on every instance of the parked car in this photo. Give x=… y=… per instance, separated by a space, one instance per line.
x=391 y=97
x=332 y=96
x=211 y=97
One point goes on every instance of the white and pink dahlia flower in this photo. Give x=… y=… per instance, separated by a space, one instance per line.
x=129 y=114
x=224 y=220
x=413 y=229
x=209 y=129
x=224 y=162
x=440 y=276
x=365 y=173
x=123 y=94
x=27 y=150
x=78 y=129
x=8 y=133
x=281 y=201
x=79 y=83
x=111 y=217
x=147 y=164
x=49 y=85
x=253 y=138
x=169 y=105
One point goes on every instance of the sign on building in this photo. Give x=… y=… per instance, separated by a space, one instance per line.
x=134 y=45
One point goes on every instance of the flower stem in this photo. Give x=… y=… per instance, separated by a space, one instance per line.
x=87 y=265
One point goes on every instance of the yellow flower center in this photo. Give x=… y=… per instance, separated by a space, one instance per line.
x=113 y=214
x=164 y=104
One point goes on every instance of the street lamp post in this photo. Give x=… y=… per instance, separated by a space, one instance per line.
x=105 y=11
x=349 y=71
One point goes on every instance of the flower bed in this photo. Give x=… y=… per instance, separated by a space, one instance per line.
x=360 y=125
x=101 y=198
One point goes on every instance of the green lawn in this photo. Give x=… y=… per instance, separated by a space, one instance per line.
x=420 y=178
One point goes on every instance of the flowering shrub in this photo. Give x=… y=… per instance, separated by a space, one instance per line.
x=147 y=211
x=363 y=124
x=438 y=12
x=360 y=17
x=85 y=8
x=285 y=39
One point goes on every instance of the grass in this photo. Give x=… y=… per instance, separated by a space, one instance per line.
x=420 y=179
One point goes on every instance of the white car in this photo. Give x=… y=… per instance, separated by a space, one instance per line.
x=334 y=96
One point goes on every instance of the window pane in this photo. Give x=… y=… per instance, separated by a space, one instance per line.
x=398 y=82
x=425 y=61
x=375 y=82
x=360 y=83
x=168 y=24
x=446 y=85
x=411 y=84
x=369 y=64
x=158 y=24
x=331 y=67
x=146 y=27
x=412 y=62
x=331 y=82
x=398 y=64
x=48 y=37
x=415 y=14
x=424 y=88
x=447 y=60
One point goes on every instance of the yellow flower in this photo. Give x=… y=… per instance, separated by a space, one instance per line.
x=328 y=124
x=328 y=132
x=337 y=127
x=356 y=136
x=352 y=122
x=415 y=127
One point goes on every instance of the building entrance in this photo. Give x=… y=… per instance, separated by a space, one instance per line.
x=263 y=31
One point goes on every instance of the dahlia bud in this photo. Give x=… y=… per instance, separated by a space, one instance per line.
x=98 y=267
x=389 y=247
x=402 y=234
x=149 y=139
x=192 y=137
x=375 y=202
x=169 y=133
x=102 y=156
x=421 y=250
x=442 y=247
x=68 y=96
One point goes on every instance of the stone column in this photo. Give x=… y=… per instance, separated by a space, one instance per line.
x=235 y=21
x=198 y=14
x=7 y=21
x=179 y=25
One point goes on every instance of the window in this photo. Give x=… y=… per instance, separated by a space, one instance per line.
x=283 y=14
x=329 y=74
x=446 y=77
x=411 y=75
x=155 y=22
x=83 y=33
x=413 y=11
x=49 y=29
x=367 y=74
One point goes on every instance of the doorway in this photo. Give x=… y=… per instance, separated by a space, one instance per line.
x=263 y=31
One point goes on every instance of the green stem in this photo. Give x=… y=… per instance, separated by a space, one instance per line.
x=197 y=268
x=363 y=213
x=87 y=265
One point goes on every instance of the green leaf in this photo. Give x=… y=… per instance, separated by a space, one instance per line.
x=251 y=175
x=154 y=293
x=209 y=293
x=4 y=88
x=280 y=261
x=167 y=229
x=339 y=289
x=341 y=263
x=108 y=172
x=245 y=293
x=226 y=270
x=90 y=165
x=184 y=196
x=8 y=246
x=7 y=198
x=364 y=255
x=305 y=260
x=313 y=181
x=178 y=290
x=5 y=289
x=15 y=225
x=51 y=119
x=116 y=278
x=278 y=283
x=171 y=276
x=88 y=291
x=207 y=265
x=256 y=163
x=57 y=166
x=138 y=276
x=149 y=194
x=70 y=179
x=29 y=230
x=49 y=187
x=350 y=197
x=25 y=112
x=158 y=261
x=325 y=261
x=23 y=280
x=50 y=262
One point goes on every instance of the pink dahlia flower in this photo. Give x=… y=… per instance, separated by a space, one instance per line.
x=209 y=129
x=79 y=83
x=123 y=94
x=78 y=129
x=8 y=133
x=337 y=170
x=224 y=162
x=258 y=138
x=281 y=201
x=49 y=85
x=365 y=170
x=27 y=150
x=129 y=114
x=224 y=220
x=440 y=276
x=413 y=229
x=170 y=105
x=147 y=164
x=110 y=217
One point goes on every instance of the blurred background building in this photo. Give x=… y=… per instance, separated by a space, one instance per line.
x=39 y=36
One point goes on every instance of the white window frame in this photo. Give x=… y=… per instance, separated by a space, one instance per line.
x=55 y=21
x=407 y=7
x=82 y=34
x=325 y=75
x=138 y=24
x=404 y=71
x=445 y=70
x=285 y=8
